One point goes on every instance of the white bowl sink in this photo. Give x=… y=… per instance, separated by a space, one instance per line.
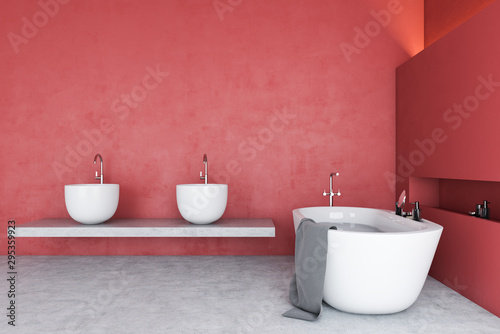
x=91 y=203
x=201 y=203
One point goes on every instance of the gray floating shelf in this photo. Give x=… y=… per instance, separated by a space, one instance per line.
x=175 y=227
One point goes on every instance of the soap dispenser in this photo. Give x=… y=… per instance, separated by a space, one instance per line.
x=416 y=212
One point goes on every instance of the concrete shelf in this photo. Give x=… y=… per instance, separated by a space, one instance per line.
x=176 y=227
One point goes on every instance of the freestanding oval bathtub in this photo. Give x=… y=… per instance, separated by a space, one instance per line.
x=377 y=262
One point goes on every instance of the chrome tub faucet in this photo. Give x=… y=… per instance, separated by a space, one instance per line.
x=331 y=193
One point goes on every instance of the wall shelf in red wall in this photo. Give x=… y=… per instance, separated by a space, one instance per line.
x=458 y=196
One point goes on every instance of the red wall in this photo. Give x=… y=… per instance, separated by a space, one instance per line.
x=467 y=257
x=277 y=93
x=442 y=16
x=447 y=130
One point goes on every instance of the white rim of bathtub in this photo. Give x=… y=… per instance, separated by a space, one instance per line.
x=423 y=226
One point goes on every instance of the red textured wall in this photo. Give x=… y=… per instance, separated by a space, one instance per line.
x=442 y=16
x=277 y=93
x=467 y=259
x=447 y=130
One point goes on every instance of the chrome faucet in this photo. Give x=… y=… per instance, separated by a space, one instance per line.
x=101 y=177
x=331 y=193
x=205 y=162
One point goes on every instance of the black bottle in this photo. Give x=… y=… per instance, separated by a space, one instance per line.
x=485 y=210
x=416 y=212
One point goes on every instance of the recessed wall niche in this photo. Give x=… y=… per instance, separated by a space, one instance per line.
x=459 y=196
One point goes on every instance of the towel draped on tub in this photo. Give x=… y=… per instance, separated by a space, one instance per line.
x=306 y=287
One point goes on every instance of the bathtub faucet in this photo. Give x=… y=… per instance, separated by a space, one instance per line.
x=331 y=193
x=415 y=213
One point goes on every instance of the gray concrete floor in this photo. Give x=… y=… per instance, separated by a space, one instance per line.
x=201 y=294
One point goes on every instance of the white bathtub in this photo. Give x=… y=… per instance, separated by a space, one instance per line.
x=377 y=262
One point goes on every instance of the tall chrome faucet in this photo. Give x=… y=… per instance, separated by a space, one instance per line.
x=101 y=177
x=331 y=193
x=205 y=162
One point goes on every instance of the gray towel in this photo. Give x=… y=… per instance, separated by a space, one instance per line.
x=306 y=288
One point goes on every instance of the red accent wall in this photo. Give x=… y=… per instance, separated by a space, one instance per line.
x=447 y=134
x=442 y=16
x=277 y=93
x=467 y=257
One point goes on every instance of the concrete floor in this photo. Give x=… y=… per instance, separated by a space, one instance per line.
x=204 y=294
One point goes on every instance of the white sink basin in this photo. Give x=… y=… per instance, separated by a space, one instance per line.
x=201 y=203
x=91 y=203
